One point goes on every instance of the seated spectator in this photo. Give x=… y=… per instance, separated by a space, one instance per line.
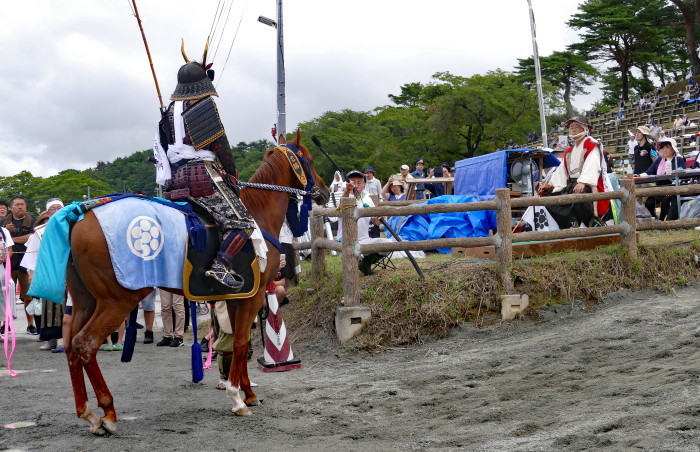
x=677 y=125
x=686 y=98
x=669 y=160
x=655 y=131
x=510 y=145
x=393 y=190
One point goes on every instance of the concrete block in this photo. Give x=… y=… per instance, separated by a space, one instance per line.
x=513 y=305
x=349 y=321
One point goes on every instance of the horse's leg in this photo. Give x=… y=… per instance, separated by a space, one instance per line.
x=109 y=314
x=242 y=313
x=245 y=315
x=83 y=309
x=232 y=384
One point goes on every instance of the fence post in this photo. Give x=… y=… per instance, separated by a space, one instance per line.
x=351 y=273
x=629 y=216
x=504 y=250
x=318 y=255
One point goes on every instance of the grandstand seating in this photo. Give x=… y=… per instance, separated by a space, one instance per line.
x=615 y=138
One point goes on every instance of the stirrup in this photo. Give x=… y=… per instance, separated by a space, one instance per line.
x=226 y=277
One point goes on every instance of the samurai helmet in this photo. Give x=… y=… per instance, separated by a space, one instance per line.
x=193 y=79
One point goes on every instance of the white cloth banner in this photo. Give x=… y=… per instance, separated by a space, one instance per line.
x=540 y=219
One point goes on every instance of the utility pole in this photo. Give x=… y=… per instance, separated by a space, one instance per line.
x=281 y=126
x=281 y=103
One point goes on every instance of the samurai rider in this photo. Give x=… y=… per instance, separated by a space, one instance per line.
x=194 y=157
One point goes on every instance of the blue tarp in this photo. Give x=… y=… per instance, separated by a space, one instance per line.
x=481 y=176
x=447 y=225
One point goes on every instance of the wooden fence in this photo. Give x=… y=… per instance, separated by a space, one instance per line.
x=351 y=249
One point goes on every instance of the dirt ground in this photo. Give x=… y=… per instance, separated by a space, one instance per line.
x=622 y=376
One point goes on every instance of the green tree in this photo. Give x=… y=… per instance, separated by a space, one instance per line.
x=626 y=32
x=567 y=71
x=688 y=10
x=479 y=114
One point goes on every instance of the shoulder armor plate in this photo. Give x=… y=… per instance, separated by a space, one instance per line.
x=203 y=123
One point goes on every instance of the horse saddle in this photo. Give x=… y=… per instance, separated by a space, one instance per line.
x=197 y=287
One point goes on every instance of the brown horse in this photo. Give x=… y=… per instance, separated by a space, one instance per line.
x=100 y=303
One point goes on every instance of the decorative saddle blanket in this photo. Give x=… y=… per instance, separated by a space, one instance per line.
x=146 y=242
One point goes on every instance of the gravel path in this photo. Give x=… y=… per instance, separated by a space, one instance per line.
x=624 y=376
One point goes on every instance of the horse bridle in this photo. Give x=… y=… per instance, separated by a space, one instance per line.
x=311 y=189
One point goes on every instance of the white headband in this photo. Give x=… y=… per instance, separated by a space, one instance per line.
x=53 y=202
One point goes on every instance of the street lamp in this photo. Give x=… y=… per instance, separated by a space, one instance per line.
x=281 y=107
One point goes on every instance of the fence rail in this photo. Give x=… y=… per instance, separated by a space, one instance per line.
x=350 y=249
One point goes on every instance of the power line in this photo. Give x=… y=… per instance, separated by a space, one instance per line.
x=215 y=29
x=211 y=29
x=221 y=36
x=232 y=42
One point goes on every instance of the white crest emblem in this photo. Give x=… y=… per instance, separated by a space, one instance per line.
x=145 y=237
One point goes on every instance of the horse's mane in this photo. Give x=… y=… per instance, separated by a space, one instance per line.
x=268 y=173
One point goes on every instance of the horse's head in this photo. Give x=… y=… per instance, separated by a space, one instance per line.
x=319 y=190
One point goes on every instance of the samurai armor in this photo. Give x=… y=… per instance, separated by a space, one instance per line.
x=203 y=123
x=191 y=179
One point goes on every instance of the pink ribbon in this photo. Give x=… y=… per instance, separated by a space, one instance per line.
x=9 y=320
x=207 y=363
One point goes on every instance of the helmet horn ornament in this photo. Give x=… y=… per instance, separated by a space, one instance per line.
x=206 y=49
x=184 y=55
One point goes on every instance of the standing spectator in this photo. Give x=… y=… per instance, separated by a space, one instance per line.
x=50 y=320
x=170 y=302
x=403 y=176
x=20 y=225
x=418 y=173
x=374 y=185
x=631 y=144
x=3 y=211
x=148 y=304
x=446 y=169
x=644 y=152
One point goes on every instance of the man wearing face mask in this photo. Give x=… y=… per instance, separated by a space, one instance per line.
x=580 y=171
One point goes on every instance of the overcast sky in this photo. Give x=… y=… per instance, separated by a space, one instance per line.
x=77 y=87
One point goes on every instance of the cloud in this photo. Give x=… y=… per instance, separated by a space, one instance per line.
x=77 y=87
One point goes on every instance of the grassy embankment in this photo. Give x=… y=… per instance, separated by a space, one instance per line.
x=406 y=310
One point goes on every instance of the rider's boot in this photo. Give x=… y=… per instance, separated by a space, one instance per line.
x=221 y=272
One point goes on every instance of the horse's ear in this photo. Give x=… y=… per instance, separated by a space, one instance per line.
x=297 y=140
x=281 y=139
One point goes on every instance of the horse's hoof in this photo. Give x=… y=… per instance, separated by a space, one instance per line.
x=100 y=431
x=253 y=402
x=242 y=412
x=110 y=426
